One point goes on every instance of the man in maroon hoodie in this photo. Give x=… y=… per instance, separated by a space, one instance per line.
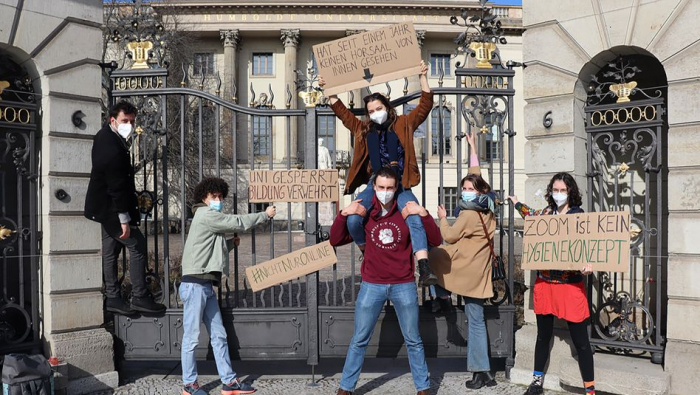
x=387 y=274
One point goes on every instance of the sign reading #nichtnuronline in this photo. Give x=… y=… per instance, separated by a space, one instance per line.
x=570 y=242
x=368 y=58
x=290 y=266
x=308 y=185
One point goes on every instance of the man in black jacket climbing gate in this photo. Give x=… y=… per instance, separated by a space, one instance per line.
x=111 y=200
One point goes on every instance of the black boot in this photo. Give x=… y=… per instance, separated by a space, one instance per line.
x=426 y=277
x=118 y=306
x=479 y=380
x=534 y=389
x=145 y=304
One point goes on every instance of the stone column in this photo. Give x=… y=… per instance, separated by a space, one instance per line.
x=231 y=39
x=290 y=40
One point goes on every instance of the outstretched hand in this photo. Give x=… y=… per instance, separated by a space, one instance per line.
x=423 y=69
x=413 y=208
x=355 y=208
x=471 y=139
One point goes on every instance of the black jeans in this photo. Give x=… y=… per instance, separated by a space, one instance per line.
x=111 y=248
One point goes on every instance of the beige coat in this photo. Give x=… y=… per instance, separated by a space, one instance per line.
x=463 y=266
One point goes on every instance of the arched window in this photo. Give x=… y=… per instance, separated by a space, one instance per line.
x=446 y=131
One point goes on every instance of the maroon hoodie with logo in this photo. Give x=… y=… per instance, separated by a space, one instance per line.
x=388 y=252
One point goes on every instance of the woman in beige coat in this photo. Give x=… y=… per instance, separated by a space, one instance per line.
x=463 y=266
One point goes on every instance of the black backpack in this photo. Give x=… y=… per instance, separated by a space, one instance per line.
x=24 y=374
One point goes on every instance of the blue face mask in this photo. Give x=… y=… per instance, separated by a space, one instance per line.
x=469 y=196
x=215 y=205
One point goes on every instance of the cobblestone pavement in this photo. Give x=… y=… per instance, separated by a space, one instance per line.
x=379 y=377
x=384 y=385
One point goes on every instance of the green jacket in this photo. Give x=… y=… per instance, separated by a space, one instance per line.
x=206 y=248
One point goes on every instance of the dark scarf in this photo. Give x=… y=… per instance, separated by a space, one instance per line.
x=392 y=142
x=482 y=203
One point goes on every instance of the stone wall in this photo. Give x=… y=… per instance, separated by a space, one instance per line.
x=60 y=43
x=559 y=40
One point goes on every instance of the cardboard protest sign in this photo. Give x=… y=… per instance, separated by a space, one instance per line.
x=368 y=58
x=570 y=242
x=290 y=266
x=307 y=185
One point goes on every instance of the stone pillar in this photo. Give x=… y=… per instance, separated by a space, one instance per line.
x=290 y=40
x=231 y=39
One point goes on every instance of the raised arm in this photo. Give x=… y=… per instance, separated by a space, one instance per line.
x=425 y=105
x=332 y=98
x=523 y=209
x=462 y=227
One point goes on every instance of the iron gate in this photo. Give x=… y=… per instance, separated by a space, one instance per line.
x=19 y=238
x=626 y=172
x=189 y=133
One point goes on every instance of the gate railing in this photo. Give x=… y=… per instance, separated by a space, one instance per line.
x=19 y=235
x=625 y=173
x=190 y=133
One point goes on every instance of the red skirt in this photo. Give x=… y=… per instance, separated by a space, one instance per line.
x=565 y=301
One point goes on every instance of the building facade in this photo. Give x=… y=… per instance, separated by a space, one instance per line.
x=258 y=48
x=50 y=254
x=570 y=49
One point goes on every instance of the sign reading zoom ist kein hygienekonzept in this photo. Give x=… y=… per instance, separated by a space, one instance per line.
x=570 y=242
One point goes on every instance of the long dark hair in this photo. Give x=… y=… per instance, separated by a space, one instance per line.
x=571 y=190
x=389 y=108
x=477 y=182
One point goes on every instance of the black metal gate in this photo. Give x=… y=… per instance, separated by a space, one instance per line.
x=626 y=172
x=189 y=133
x=19 y=238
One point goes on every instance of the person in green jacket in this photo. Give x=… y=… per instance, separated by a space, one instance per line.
x=203 y=262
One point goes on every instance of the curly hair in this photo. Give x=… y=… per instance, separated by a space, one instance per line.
x=210 y=185
x=571 y=189
x=366 y=124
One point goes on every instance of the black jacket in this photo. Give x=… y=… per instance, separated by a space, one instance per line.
x=111 y=189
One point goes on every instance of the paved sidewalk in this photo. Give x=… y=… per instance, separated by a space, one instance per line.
x=379 y=377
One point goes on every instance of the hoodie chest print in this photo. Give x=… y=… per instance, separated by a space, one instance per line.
x=386 y=235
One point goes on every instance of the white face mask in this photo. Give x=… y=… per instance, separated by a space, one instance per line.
x=560 y=198
x=124 y=130
x=379 y=117
x=385 y=196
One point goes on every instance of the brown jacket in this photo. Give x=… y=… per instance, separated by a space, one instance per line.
x=359 y=172
x=463 y=266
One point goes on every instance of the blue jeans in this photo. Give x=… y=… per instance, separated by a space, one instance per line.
x=200 y=304
x=356 y=223
x=477 y=337
x=370 y=302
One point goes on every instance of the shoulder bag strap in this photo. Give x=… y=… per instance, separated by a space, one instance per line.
x=486 y=232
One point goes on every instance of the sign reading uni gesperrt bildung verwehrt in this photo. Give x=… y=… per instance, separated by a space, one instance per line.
x=296 y=185
x=570 y=242
x=368 y=58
